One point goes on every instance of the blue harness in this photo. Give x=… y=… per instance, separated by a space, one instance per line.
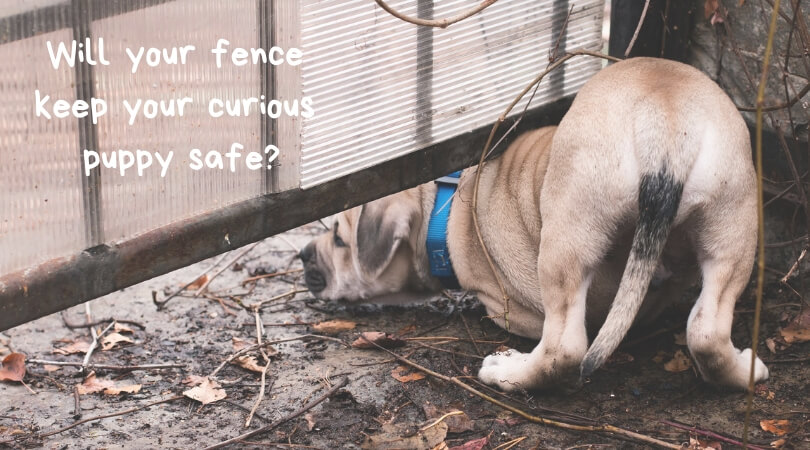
x=438 y=254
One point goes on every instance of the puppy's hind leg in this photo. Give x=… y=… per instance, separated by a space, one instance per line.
x=726 y=250
x=565 y=268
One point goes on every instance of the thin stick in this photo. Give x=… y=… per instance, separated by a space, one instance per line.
x=707 y=433
x=295 y=414
x=440 y=420
x=469 y=333
x=161 y=304
x=223 y=268
x=760 y=222
x=113 y=368
x=609 y=429
x=795 y=266
x=73 y=325
x=638 y=28
x=77 y=408
x=107 y=416
x=440 y=23
x=93 y=345
x=291 y=293
x=270 y=275
x=288 y=242
x=779 y=106
x=259 y=328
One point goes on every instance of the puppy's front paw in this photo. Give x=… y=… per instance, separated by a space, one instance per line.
x=760 y=370
x=507 y=370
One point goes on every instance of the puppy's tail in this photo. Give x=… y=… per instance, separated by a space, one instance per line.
x=658 y=199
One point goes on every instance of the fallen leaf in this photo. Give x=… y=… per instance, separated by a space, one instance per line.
x=310 y=421
x=249 y=363
x=131 y=389
x=73 y=348
x=458 y=422
x=198 y=283
x=660 y=357
x=334 y=326
x=798 y=330
x=239 y=344
x=111 y=340
x=776 y=344
x=91 y=385
x=680 y=338
x=779 y=443
x=193 y=380
x=384 y=340
x=406 y=378
x=207 y=392
x=476 y=444
x=710 y=7
x=701 y=444
x=13 y=368
x=679 y=362
x=51 y=368
x=777 y=427
x=119 y=328
x=408 y=329
x=398 y=437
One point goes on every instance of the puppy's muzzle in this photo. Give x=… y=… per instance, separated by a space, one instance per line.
x=313 y=277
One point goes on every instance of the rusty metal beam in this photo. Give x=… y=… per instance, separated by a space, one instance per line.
x=61 y=283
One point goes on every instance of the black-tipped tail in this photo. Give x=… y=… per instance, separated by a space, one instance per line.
x=658 y=199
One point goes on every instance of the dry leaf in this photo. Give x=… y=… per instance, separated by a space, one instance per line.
x=476 y=444
x=779 y=443
x=660 y=357
x=111 y=340
x=680 y=338
x=777 y=427
x=700 y=444
x=310 y=421
x=198 y=283
x=406 y=378
x=798 y=330
x=119 y=328
x=679 y=363
x=398 y=437
x=73 y=348
x=13 y=368
x=239 y=344
x=91 y=384
x=131 y=389
x=207 y=392
x=249 y=363
x=193 y=380
x=384 y=340
x=334 y=326
x=51 y=368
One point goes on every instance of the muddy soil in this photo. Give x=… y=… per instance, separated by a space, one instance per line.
x=640 y=389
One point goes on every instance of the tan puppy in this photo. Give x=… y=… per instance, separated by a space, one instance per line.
x=646 y=185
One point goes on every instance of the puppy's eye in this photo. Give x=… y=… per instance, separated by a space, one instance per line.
x=338 y=241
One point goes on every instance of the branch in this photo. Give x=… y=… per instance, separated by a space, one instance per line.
x=440 y=23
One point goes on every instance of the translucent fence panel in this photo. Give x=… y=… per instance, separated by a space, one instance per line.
x=40 y=173
x=384 y=88
x=134 y=204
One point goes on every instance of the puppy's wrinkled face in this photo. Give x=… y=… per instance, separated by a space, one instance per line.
x=365 y=255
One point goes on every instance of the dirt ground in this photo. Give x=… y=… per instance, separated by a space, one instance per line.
x=648 y=387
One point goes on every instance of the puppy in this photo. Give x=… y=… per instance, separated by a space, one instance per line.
x=645 y=186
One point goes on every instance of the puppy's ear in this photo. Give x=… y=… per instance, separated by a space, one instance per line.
x=381 y=229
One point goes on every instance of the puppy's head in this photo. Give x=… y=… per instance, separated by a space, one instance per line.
x=366 y=254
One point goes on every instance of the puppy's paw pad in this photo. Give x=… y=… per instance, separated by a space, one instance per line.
x=505 y=370
x=760 y=369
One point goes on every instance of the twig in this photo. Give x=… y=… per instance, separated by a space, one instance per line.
x=452 y=352
x=289 y=417
x=291 y=293
x=795 y=266
x=224 y=268
x=73 y=325
x=708 y=433
x=107 y=416
x=749 y=400
x=440 y=23
x=114 y=368
x=469 y=333
x=779 y=106
x=786 y=360
x=259 y=328
x=93 y=345
x=247 y=410
x=161 y=304
x=288 y=242
x=77 y=408
x=440 y=420
x=510 y=444
x=270 y=275
x=638 y=28
x=609 y=429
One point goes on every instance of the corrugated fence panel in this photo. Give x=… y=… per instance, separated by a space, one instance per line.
x=134 y=204
x=40 y=184
x=384 y=87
